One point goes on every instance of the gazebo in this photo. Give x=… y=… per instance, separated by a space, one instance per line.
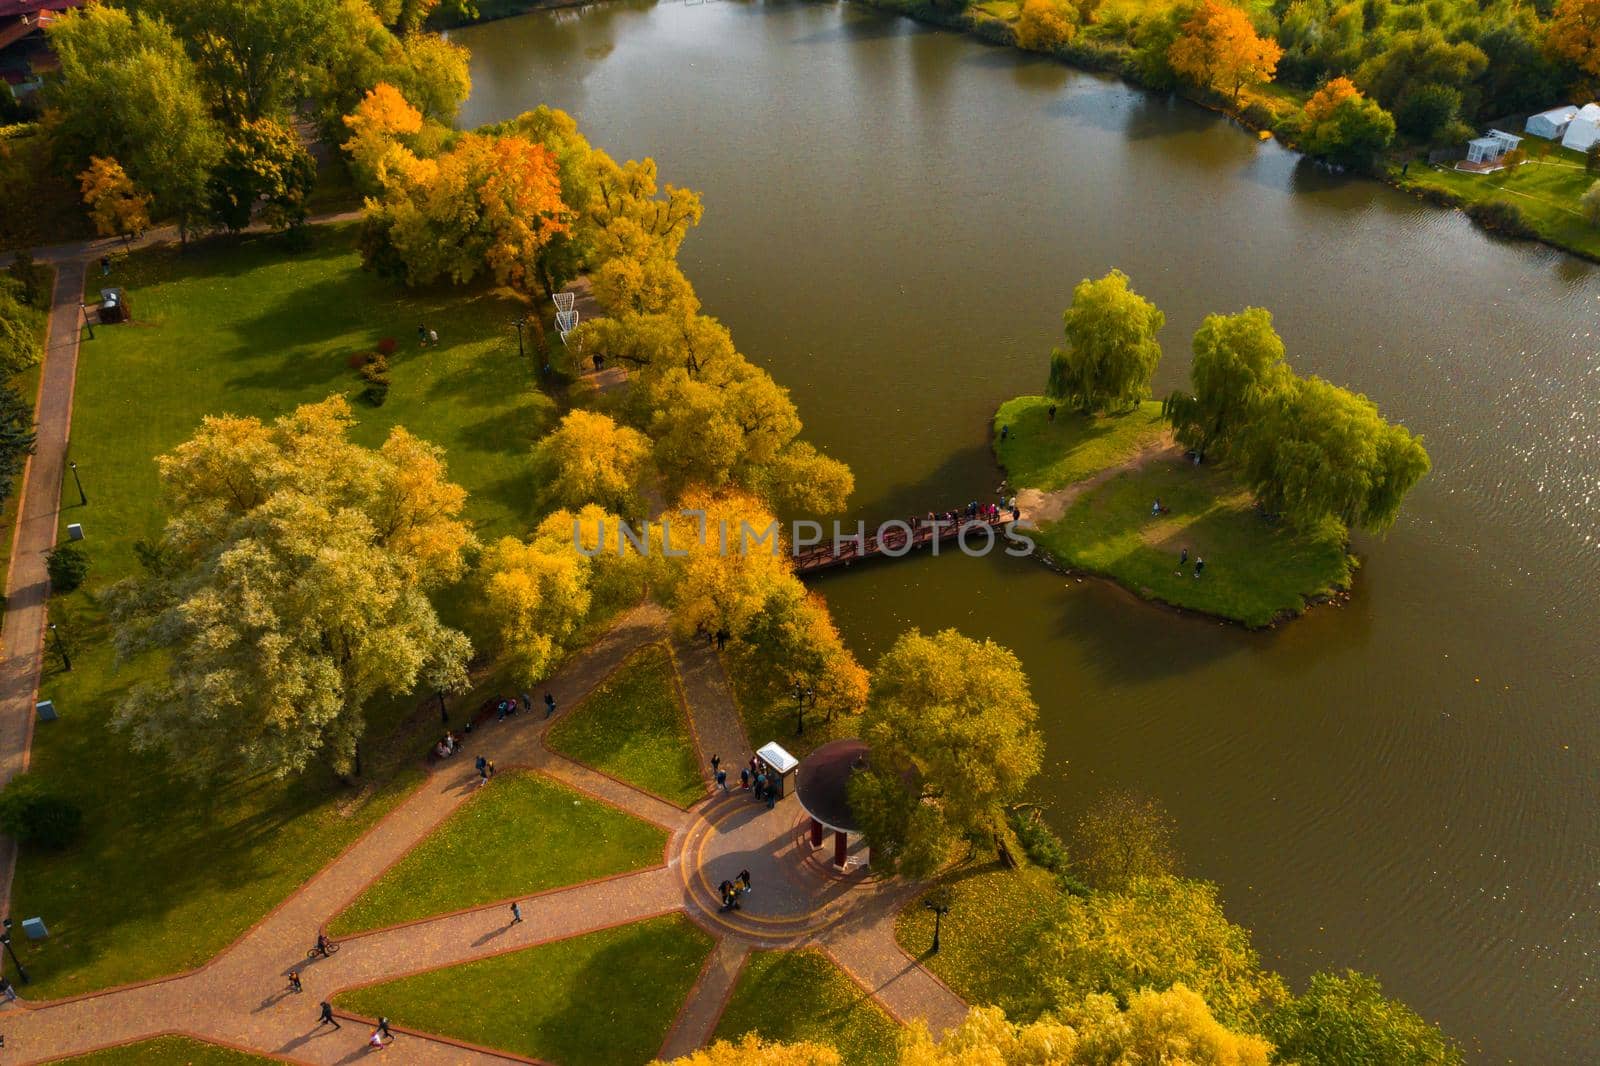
x=821 y=788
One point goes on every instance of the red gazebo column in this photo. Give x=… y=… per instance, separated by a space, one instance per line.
x=841 y=844
x=816 y=833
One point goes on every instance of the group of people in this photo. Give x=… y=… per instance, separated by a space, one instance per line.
x=1183 y=561
x=426 y=336
x=503 y=708
x=973 y=512
x=485 y=768
x=380 y=1039
x=448 y=745
x=754 y=778
x=731 y=891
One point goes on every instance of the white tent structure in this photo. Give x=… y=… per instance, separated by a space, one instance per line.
x=1584 y=129
x=1490 y=148
x=1551 y=124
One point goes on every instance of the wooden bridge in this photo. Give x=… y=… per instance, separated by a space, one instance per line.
x=892 y=543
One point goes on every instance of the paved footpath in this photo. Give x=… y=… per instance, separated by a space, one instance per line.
x=239 y=997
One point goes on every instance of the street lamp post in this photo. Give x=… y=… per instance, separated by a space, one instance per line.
x=799 y=710
x=83 y=309
x=5 y=938
x=61 y=649
x=83 y=499
x=444 y=715
x=521 y=351
x=937 y=901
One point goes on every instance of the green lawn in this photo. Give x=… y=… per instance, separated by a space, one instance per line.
x=1041 y=454
x=1546 y=190
x=607 y=997
x=634 y=727
x=248 y=328
x=985 y=935
x=1256 y=569
x=522 y=833
x=167 y=1051
x=793 y=996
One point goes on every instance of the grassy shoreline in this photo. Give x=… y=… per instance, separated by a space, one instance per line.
x=1096 y=479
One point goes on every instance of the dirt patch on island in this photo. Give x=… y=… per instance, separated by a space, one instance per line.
x=1037 y=506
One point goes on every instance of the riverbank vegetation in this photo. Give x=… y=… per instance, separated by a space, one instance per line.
x=1247 y=515
x=1356 y=87
x=1547 y=195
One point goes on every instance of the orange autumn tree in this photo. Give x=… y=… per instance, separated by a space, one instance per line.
x=1573 y=33
x=1327 y=99
x=115 y=204
x=1219 y=47
x=488 y=205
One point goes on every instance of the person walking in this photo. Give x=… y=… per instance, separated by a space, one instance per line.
x=1199 y=566
x=294 y=982
x=375 y=1041
x=549 y=705
x=422 y=335
x=516 y=913
x=383 y=1027
x=744 y=778
x=326 y=1017
x=744 y=875
x=105 y=265
x=1052 y=412
x=480 y=764
x=1183 y=561
x=716 y=763
x=433 y=338
x=722 y=780
x=527 y=701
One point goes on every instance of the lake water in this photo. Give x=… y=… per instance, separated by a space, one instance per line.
x=895 y=219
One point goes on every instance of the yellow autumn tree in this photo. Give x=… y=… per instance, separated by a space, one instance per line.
x=589 y=458
x=1173 y=1026
x=1322 y=104
x=733 y=566
x=1573 y=33
x=537 y=593
x=378 y=128
x=1046 y=25
x=1219 y=48
x=795 y=636
x=288 y=590
x=117 y=207
x=754 y=1051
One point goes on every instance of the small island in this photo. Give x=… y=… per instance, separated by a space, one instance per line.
x=1234 y=500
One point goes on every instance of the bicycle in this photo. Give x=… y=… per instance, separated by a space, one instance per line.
x=323 y=949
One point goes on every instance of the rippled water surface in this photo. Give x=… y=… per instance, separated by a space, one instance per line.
x=895 y=219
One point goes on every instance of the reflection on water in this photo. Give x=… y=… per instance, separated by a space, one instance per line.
x=895 y=220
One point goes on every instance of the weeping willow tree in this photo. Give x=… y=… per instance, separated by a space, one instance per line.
x=1238 y=370
x=1309 y=450
x=1321 y=451
x=1111 y=351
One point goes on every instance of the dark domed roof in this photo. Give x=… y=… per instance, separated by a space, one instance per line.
x=823 y=775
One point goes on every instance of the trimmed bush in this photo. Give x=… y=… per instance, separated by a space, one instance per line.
x=67 y=565
x=35 y=816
